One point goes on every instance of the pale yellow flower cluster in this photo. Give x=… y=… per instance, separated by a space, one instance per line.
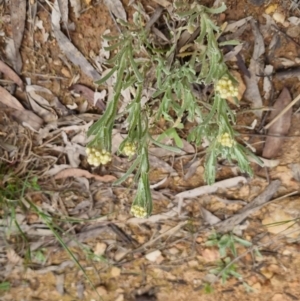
x=226 y=88
x=226 y=140
x=129 y=149
x=97 y=156
x=138 y=211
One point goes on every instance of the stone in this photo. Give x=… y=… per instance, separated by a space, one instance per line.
x=293 y=31
x=286 y=252
x=57 y=62
x=115 y=272
x=257 y=287
x=120 y=298
x=101 y=290
x=274 y=268
x=268 y=274
x=153 y=256
x=278 y=297
x=210 y=255
x=100 y=248
x=120 y=254
x=173 y=251
x=210 y=278
x=193 y=263
x=276 y=281
x=251 y=280
x=279 y=17
x=160 y=259
x=199 y=239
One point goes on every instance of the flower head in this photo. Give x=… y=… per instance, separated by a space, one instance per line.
x=226 y=88
x=142 y=204
x=138 y=211
x=226 y=140
x=97 y=156
x=129 y=149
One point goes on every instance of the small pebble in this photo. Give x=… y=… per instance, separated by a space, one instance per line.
x=173 y=251
x=286 y=252
x=279 y=17
x=193 y=263
x=210 y=255
x=160 y=259
x=101 y=290
x=199 y=239
x=100 y=248
x=268 y=274
x=120 y=298
x=120 y=254
x=276 y=281
x=293 y=31
x=274 y=268
x=256 y=286
x=115 y=272
x=278 y=297
x=153 y=256
x=57 y=62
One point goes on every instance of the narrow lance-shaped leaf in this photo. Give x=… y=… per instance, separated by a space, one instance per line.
x=129 y=171
x=106 y=139
x=145 y=166
x=236 y=275
x=200 y=38
x=211 y=25
x=115 y=60
x=242 y=160
x=107 y=76
x=167 y=147
x=130 y=82
x=149 y=204
x=192 y=20
x=210 y=167
x=177 y=139
x=110 y=38
x=171 y=133
x=243 y=242
x=230 y=42
x=217 y=10
x=187 y=13
x=133 y=118
x=134 y=66
x=114 y=46
x=124 y=23
x=117 y=89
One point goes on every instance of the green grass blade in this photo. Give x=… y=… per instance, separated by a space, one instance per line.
x=5 y=286
x=48 y=223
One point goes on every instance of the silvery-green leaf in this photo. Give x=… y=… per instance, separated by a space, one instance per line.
x=129 y=172
x=229 y=42
x=217 y=10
